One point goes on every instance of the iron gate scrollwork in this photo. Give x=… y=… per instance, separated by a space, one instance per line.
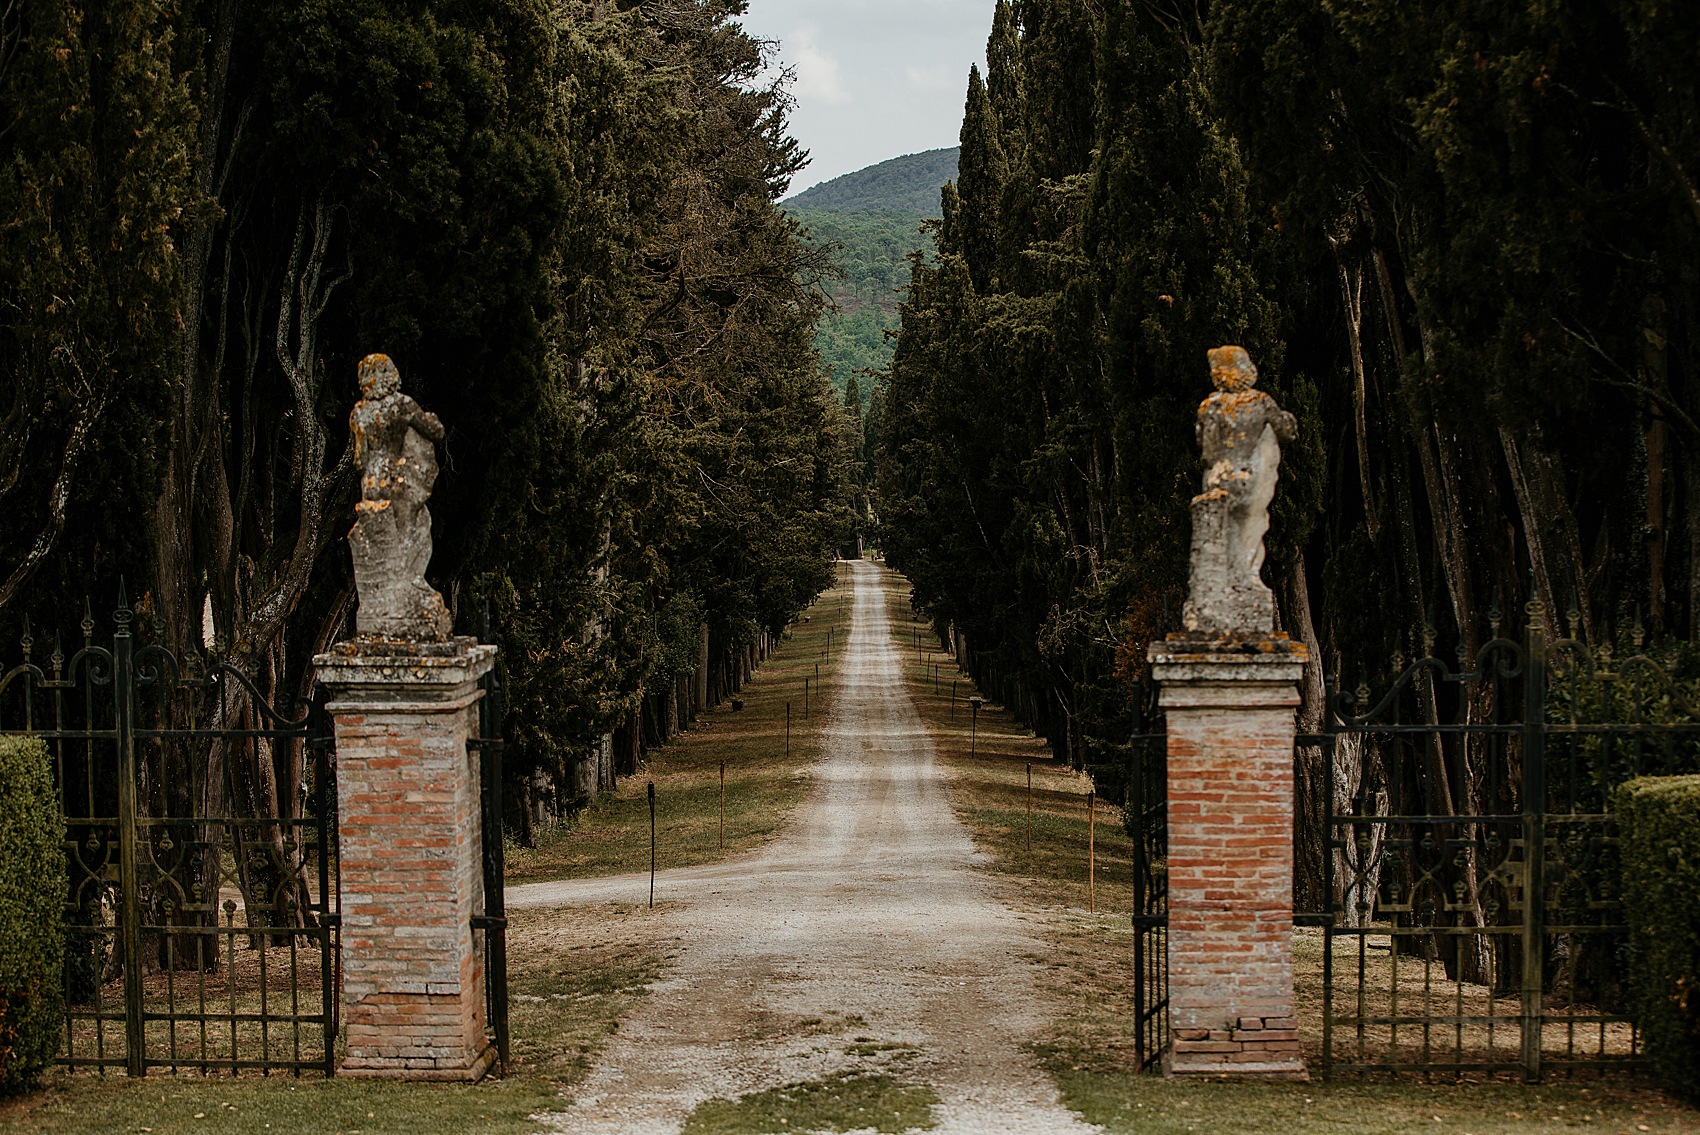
x=200 y=845
x=1474 y=919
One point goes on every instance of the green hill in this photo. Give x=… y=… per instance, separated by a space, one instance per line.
x=909 y=184
x=871 y=248
x=873 y=219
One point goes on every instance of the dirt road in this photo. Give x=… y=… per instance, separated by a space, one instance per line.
x=863 y=939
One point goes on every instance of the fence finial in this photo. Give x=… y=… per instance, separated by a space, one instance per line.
x=1536 y=608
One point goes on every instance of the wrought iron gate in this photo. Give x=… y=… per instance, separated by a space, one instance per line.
x=201 y=854
x=1475 y=921
x=1148 y=819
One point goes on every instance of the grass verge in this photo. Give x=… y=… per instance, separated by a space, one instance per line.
x=1088 y=970
x=850 y=1101
x=764 y=785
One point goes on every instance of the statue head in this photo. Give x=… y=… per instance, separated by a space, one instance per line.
x=378 y=377
x=1231 y=370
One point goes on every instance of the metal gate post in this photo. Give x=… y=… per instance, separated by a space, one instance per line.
x=1534 y=839
x=1136 y=794
x=330 y=983
x=130 y=906
x=1331 y=914
x=494 y=921
x=492 y=711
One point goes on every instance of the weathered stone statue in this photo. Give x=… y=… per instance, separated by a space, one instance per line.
x=395 y=448
x=1240 y=430
x=1229 y=688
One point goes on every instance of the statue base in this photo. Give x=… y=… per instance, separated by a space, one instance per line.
x=1235 y=601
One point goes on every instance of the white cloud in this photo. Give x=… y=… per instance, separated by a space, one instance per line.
x=939 y=77
x=875 y=78
x=818 y=74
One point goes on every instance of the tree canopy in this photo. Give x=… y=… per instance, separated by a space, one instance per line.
x=1458 y=240
x=558 y=218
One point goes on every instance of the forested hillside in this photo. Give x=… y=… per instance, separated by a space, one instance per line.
x=909 y=184
x=872 y=252
x=1460 y=242
x=558 y=219
x=867 y=223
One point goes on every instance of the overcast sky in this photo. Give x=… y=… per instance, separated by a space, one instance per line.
x=875 y=78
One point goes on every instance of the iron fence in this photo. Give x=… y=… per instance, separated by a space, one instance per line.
x=1474 y=920
x=200 y=850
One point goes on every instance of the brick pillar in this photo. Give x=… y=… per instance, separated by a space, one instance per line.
x=1230 y=865
x=409 y=849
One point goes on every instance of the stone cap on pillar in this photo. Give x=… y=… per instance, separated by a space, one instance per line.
x=377 y=670
x=1228 y=670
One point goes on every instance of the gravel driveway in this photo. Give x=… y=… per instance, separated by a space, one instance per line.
x=862 y=939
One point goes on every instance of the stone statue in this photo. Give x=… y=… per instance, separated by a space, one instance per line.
x=395 y=448
x=1240 y=430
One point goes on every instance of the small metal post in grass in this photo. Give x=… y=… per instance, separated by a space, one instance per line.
x=652 y=845
x=723 y=791
x=974 y=703
x=953 y=701
x=1092 y=852
x=1029 y=807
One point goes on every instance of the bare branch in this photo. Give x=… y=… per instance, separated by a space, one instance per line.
x=56 y=501
x=304 y=296
x=1628 y=109
x=1627 y=381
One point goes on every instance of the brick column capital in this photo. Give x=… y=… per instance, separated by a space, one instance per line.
x=404 y=676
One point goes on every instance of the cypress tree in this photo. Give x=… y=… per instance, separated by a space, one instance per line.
x=981 y=174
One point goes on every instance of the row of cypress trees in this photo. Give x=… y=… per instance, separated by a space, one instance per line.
x=1458 y=238
x=556 y=216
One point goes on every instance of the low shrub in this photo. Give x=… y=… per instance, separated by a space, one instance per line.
x=1659 y=817
x=32 y=923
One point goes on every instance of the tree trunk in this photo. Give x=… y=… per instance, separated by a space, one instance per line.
x=1311 y=779
x=1549 y=528
x=1656 y=376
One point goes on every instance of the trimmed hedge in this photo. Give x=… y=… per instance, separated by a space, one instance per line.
x=32 y=918
x=1659 y=817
